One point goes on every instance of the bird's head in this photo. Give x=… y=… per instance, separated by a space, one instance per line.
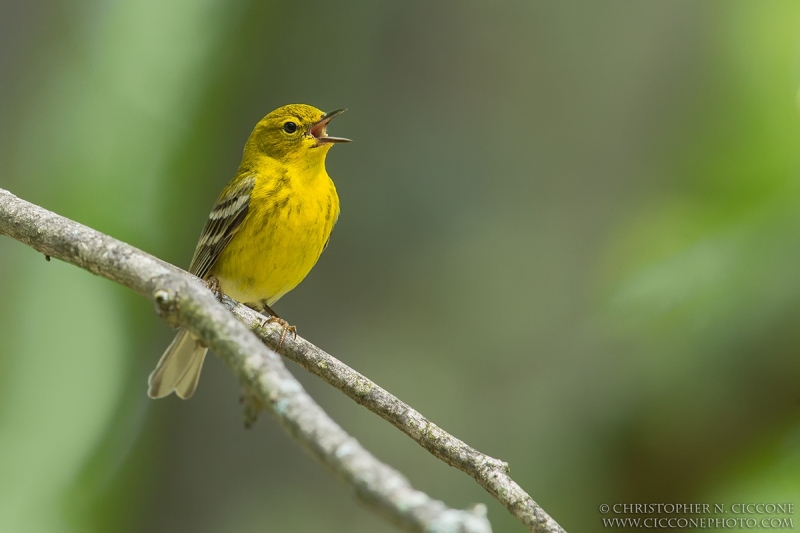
x=294 y=132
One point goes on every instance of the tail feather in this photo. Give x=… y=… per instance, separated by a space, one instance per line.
x=188 y=383
x=179 y=368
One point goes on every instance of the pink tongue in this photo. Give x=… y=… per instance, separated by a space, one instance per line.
x=318 y=130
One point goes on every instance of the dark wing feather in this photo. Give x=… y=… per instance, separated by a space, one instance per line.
x=224 y=220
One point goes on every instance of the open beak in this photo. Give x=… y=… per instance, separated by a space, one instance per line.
x=318 y=130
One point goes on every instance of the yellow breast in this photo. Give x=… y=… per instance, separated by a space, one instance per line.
x=291 y=214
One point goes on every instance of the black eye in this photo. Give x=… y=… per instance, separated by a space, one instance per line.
x=290 y=127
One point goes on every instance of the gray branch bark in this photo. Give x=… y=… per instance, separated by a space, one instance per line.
x=183 y=300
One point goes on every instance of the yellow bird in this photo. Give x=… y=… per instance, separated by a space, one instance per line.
x=265 y=232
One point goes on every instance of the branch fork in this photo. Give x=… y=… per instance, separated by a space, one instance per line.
x=183 y=300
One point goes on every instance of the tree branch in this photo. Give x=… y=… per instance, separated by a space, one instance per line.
x=183 y=300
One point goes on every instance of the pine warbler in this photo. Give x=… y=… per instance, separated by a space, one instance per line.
x=265 y=232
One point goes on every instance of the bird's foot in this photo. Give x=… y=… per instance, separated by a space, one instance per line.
x=285 y=327
x=213 y=285
x=271 y=317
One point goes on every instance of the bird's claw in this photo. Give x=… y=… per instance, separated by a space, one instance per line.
x=213 y=285
x=284 y=328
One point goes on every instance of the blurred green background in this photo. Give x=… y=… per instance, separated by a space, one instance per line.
x=570 y=235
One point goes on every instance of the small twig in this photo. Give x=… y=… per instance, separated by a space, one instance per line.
x=490 y=473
